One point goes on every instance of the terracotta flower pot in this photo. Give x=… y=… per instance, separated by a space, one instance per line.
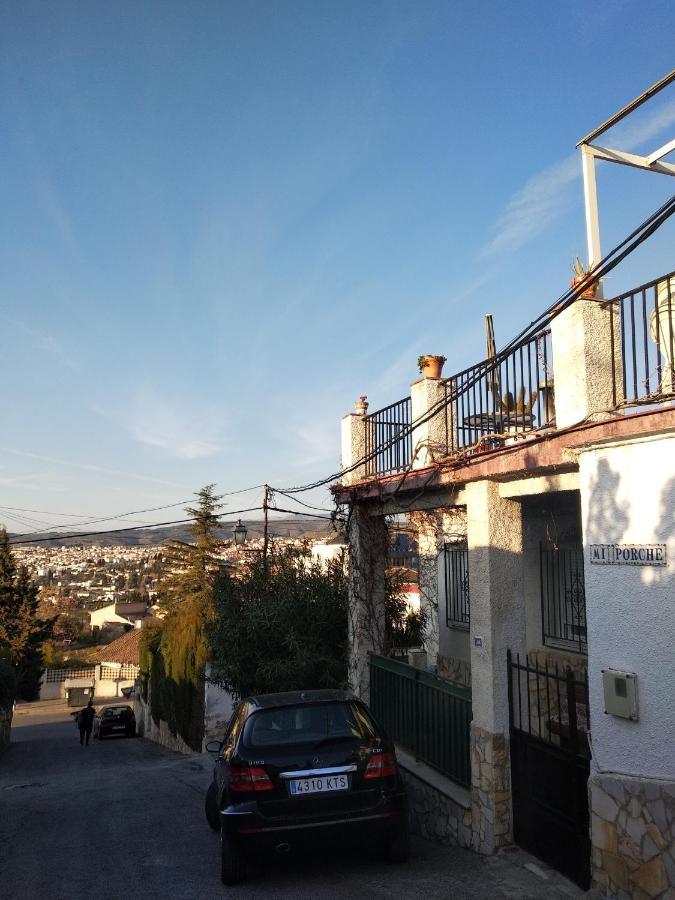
x=432 y=366
x=591 y=288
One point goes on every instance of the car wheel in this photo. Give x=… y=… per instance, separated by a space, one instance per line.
x=397 y=848
x=211 y=807
x=232 y=864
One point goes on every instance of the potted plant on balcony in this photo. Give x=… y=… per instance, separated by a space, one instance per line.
x=582 y=276
x=431 y=366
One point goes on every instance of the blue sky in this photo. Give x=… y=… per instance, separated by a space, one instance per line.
x=222 y=222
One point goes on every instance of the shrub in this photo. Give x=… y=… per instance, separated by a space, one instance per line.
x=281 y=626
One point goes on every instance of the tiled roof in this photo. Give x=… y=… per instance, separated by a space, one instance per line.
x=123 y=650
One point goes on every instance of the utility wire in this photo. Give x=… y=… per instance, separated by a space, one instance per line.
x=651 y=224
x=80 y=534
x=301 y=502
x=119 y=516
x=470 y=377
x=297 y=512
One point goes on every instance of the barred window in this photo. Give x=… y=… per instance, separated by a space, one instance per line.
x=563 y=598
x=456 y=578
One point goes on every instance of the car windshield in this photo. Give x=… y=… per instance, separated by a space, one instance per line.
x=116 y=711
x=313 y=724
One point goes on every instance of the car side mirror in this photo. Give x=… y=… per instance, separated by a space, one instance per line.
x=214 y=746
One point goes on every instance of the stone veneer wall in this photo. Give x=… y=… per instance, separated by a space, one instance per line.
x=435 y=815
x=632 y=836
x=161 y=733
x=458 y=671
x=434 y=529
x=5 y=726
x=490 y=791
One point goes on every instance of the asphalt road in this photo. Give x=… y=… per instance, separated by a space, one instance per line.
x=124 y=818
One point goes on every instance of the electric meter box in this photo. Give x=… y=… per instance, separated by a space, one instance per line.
x=620 y=691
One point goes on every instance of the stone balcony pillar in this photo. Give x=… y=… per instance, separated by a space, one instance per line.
x=354 y=445
x=495 y=542
x=368 y=553
x=581 y=338
x=431 y=439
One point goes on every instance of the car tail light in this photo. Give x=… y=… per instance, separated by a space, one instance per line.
x=381 y=765
x=249 y=778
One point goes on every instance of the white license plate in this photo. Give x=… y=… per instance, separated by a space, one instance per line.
x=319 y=784
x=119 y=727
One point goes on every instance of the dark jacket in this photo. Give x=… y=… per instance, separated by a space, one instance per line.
x=85 y=719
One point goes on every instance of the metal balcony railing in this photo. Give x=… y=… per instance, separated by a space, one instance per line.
x=389 y=439
x=642 y=334
x=494 y=401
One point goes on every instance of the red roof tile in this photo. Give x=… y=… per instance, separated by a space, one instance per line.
x=123 y=650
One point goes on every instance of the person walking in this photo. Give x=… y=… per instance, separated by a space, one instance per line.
x=85 y=722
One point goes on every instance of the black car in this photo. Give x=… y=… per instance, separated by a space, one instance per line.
x=117 y=719
x=303 y=767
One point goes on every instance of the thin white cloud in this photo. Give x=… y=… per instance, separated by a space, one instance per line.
x=89 y=467
x=546 y=196
x=397 y=377
x=39 y=482
x=42 y=341
x=177 y=430
x=318 y=442
x=629 y=135
x=534 y=208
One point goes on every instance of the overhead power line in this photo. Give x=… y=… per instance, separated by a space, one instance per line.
x=80 y=534
x=42 y=525
x=74 y=535
x=615 y=256
x=612 y=259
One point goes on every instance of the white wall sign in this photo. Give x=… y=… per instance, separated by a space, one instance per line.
x=628 y=554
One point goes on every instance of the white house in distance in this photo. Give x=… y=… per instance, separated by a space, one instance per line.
x=118 y=614
x=111 y=669
x=328 y=551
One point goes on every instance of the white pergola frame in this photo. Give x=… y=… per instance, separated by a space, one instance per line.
x=592 y=152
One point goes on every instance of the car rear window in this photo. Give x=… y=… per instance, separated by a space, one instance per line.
x=116 y=710
x=306 y=724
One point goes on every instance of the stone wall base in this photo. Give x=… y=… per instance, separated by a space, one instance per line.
x=433 y=813
x=5 y=727
x=458 y=671
x=161 y=734
x=490 y=790
x=632 y=836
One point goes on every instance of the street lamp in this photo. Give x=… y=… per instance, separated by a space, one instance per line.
x=239 y=533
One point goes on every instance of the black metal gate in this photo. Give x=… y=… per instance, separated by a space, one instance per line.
x=550 y=760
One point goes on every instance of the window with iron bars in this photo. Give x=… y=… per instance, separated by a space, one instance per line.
x=456 y=580
x=563 y=598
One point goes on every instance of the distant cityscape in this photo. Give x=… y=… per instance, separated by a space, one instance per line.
x=96 y=590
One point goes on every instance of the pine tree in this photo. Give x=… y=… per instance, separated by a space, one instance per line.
x=192 y=566
x=22 y=633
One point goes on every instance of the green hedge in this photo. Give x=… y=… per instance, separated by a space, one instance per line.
x=176 y=694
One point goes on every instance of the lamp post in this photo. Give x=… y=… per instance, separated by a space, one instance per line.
x=239 y=533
